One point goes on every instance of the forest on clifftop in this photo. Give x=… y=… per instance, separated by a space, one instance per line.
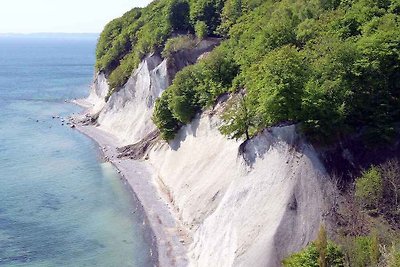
x=331 y=65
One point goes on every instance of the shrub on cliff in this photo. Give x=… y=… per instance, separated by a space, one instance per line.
x=179 y=43
x=197 y=86
x=378 y=190
x=201 y=30
x=163 y=118
x=320 y=253
x=309 y=256
x=184 y=100
x=362 y=250
x=369 y=188
x=311 y=67
x=238 y=119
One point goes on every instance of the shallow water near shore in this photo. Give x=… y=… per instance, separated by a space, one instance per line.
x=59 y=205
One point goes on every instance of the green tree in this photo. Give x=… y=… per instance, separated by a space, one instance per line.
x=238 y=119
x=217 y=70
x=322 y=246
x=369 y=188
x=231 y=12
x=180 y=43
x=163 y=118
x=276 y=85
x=183 y=100
x=179 y=16
x=359 y=253
x=207 y=11
x=201 y=30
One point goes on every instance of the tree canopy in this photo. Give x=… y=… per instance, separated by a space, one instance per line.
x=330 y=65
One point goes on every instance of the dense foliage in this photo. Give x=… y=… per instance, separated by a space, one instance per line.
x=321 y=253
x=378 y=190
x=358 y=251
x=125 y=41
x=378 y=248
x=309 y=257
x=331 y=65
x=363 y=251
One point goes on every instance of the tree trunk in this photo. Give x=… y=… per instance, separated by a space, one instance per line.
x=247 y=135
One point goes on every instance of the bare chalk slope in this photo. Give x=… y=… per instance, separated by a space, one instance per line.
x=243 y=209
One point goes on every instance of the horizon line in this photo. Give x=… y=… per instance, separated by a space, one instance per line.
x=49 y=33
x=60 y=35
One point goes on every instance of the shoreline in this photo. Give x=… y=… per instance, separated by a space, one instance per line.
x=168 y=238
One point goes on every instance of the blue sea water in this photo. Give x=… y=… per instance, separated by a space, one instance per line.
x=59 y=205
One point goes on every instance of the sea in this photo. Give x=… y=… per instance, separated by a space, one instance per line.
x=60 y=205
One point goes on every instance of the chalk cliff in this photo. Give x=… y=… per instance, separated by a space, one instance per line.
x=243 y=203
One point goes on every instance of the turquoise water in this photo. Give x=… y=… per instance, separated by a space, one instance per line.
x=59 y=205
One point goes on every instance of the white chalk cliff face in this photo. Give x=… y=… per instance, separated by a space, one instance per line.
x=244 y=210
x=98 y=93
x=128 y=112
x=243 y=205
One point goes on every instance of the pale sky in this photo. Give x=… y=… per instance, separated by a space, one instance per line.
x=69 y=16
